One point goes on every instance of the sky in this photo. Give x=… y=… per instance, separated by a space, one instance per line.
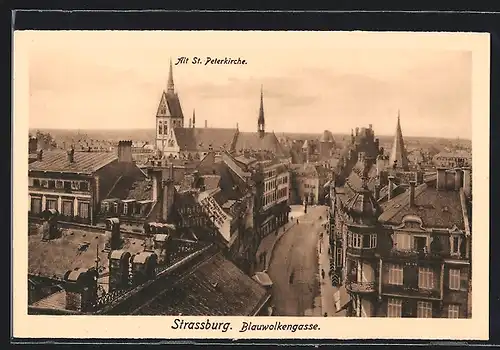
x=311 y=81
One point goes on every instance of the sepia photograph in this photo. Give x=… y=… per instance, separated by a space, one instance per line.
x=292 y=182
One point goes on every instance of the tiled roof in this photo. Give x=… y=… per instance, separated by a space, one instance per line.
x=253 y=141
x=133 y=185
x=439 y=209
x=141 y=190
x=84 y=162
x=201 y=139
x=76 y=248
x=215 y=288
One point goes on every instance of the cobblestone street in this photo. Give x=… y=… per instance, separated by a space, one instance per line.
x=294 y=266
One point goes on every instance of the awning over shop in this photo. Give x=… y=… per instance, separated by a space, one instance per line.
x=342 y=299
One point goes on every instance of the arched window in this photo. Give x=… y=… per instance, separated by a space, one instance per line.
x=159 y=127
x=165 y=129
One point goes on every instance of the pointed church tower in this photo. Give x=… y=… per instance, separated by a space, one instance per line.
x=170 y=82
x=398 y=156
x=194 y=119
x=169 y=116
x=261 y=122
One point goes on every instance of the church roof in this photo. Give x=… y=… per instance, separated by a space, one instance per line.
x=170 y=106
x=253 y=141
x=202 y=139
x=398 y=151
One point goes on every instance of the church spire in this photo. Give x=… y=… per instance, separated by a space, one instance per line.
x=398 y=157
x=261 y=122
x=170 y=83
x=194 y=118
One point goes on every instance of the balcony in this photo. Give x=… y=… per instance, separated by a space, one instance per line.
x=411 y=291
x=416 y=254
x=361 y=252
x=360 y=287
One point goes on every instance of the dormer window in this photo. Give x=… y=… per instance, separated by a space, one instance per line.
x=455 y=244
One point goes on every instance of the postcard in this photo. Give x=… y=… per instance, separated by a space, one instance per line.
x=246 y=185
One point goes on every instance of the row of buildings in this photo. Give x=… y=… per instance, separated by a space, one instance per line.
x=176 y=235
x=400 y=237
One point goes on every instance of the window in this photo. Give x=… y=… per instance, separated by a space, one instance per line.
x=36 y=205
x=59 y=184
x=84 y=186
x=67 y=185
x=403 y=241
x=373 y=240
x=455 y=245
x=395 y=274
x=339 y=256
x=394 y=307
x=356 y=240
x=51 y=204
x=453 y=311
x=425 y=278
x=51 y=183
x=67 y=208
x=420 y=243
x=44 y=183
x=454 y=283
x=83 y=210
x=75 y=185
x=349 y=240
x=424 y=309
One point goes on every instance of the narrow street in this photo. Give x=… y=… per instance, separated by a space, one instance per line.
x=296 y=254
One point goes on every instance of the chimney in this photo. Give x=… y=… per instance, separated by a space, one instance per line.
x=71 y=155
x=143 y=267
x=467 y=184
x=125 y=151
x=441 y=179
x=119 y=267
x=390 y=188
x=357 y=131
x=156 y=177
x=206 y=124
x=377 y=192
x=167 y=192
x=32 y=145
x=458 y=179
x=412 y=193
x=113 y=227
x=81 y=289
x=190 y=123
x=39 y=155
x=160 y=247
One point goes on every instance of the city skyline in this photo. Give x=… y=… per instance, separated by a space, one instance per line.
x=356 y=87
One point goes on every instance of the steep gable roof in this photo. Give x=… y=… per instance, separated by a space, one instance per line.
x=169 y=106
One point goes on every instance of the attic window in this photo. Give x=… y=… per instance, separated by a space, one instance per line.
x=446 y=209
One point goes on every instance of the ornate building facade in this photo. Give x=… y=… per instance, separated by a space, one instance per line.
x=402 y=250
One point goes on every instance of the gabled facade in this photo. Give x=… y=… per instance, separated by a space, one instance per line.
x=169 y=116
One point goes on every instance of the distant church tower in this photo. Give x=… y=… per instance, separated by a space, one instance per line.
x=398 y=157
x=261 y=122
x=168 y=116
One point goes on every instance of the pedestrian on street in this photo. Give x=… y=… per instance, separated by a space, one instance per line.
x=323 y=273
